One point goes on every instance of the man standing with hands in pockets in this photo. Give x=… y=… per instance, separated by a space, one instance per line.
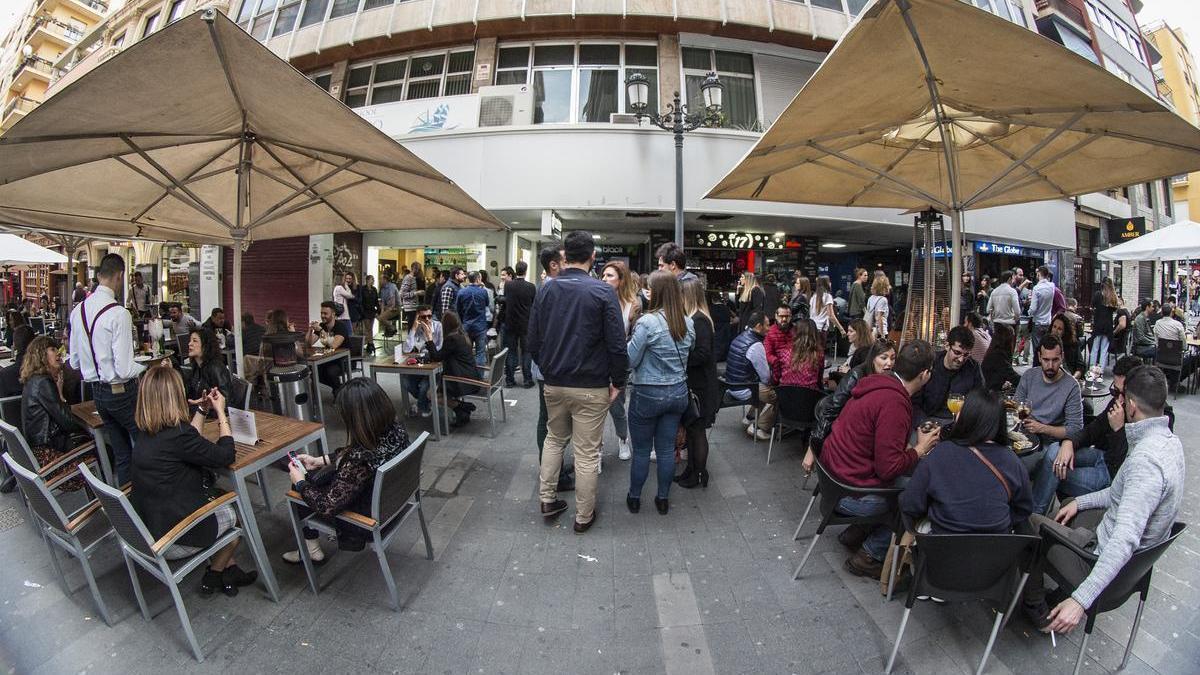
x=102 y=350
x=576 y=338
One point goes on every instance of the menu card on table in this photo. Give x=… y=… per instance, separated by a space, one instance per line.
x=242 y=423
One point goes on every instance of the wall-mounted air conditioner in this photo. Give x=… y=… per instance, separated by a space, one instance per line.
x=505 y=105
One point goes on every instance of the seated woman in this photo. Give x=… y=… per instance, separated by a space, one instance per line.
x=208 y=369
x=1063 y=328
x=47 y=422
x=957 y=487
x=998 y=373
x=376 y=436
x=878 y=359
x=808 y=358
x=457 y=355
x=168 y=474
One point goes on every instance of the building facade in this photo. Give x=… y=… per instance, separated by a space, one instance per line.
x=1176 y=78
x=46 y=30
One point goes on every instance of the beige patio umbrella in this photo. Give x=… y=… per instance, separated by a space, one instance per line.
x=938 y=104
x=200 y=134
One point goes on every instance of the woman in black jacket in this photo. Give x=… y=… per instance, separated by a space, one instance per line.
x=376 y=436
x=208 y=369
x=880 y=357
x=457 y=356
x=168 y=474
x=750 y=298
x=702 y=381
x=997 y=367
x=46 y=420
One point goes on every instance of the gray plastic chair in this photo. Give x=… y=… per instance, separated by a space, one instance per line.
x=73 y=532
x=21 y=453
x=139 y=548
x=396 y=495
x=492 y=384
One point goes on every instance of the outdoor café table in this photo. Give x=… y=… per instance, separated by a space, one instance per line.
x=388 y=364
x=319 y=358
x=276 y=437
x=1093 y=389
x=86 y=412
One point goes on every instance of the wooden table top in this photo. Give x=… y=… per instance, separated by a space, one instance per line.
x=328 y=355
x=274 y=432
x=390 y=362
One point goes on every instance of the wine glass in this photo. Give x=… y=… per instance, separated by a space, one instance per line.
x=1023 y=410
x=954 y=403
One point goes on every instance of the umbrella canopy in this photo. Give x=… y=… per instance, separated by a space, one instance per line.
x=17 y=251
x=1174 y=242
x=200 y=134
x=935 y=103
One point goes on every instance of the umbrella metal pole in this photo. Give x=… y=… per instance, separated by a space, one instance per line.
x=956 y=265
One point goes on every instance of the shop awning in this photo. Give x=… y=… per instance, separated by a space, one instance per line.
x=1173 y=242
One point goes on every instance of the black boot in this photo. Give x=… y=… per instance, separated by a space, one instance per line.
x=699 y=478
x=233 y=577
x=686 y=477
x=211 y=582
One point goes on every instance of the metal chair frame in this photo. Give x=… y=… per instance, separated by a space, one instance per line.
x=1005 y=559
x=140 y=550
x=784 y=423
x=381 y=525
x=728 y=401
x=494 y=384
x=62 y=529
x=831 y=492
x=1169 y=359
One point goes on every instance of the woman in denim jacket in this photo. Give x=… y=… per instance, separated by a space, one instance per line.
x=658 y=354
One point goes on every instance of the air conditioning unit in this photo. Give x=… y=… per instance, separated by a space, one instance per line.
x=505 y=105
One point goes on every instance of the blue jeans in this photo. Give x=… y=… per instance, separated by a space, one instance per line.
x=876 y=543
x=1089 y=475
x=654 y=412
x=120 y=428
x=418 y=388
x=480 y=340
x=1099 y=354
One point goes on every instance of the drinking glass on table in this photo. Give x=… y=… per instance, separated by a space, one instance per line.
x=954 y=403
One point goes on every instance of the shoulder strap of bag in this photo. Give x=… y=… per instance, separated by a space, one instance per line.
x=87 y=329
x=995 y=472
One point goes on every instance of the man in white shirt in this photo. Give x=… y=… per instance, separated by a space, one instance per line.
x=1041 y=306
x=102 y=350
x=1004 y=305
x=424 y=330
x=1168 y=327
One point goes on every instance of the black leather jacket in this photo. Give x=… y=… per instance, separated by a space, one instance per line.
x=46 y=418
x=211 y=374
x=831 y=406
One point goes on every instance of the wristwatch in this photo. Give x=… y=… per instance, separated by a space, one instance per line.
x=299 y=485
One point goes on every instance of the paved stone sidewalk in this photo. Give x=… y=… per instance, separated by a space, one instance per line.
x=705 y=589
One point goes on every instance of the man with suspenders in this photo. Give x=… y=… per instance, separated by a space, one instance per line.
x=102 y=349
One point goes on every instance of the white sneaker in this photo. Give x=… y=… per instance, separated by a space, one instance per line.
x=314 y=552
x=653 y=456
x=623 y=451
x=762 y=435
x=751 y=428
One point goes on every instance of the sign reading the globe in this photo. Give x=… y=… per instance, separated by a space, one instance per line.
x=1006 y=249
x=1124 y=229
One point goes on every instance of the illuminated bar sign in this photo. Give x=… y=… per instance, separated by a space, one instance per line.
x=1125 y=229
x=997 y=248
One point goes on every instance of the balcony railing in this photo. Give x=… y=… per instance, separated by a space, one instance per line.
x=94 y=4
x=50 y=25
x=1069 y=11
x=36 y=64
x=19 y=104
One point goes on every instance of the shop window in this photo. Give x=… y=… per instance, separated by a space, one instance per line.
x=736 y=70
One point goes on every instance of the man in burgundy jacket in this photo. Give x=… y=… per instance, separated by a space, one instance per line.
x=778 y=348
x=868 y=447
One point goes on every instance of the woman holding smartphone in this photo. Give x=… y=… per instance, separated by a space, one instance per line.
x=330 y=485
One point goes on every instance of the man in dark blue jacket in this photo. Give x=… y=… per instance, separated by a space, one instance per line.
x=472 y=305
x=576 y=337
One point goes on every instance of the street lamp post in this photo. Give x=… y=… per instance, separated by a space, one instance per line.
x=677 y=120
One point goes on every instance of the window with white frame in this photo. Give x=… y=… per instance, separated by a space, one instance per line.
x=314 y=12
x=322 y=79
x=151 y=24
x=262 y=20
x=372 y=4
x=405 y=78
x=343 y=8
x=739 y=106
x=286 y=19
x=119 y=41
x=578 y=82
x=1117 y=29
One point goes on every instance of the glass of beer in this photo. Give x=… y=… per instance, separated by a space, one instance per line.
x=954 y=403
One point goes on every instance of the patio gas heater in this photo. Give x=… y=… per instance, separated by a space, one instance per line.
x=927 y=313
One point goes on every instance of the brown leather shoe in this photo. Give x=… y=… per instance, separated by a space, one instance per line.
x=861 y=564
x=551 y=509
x=853 y=536
x=580 y=528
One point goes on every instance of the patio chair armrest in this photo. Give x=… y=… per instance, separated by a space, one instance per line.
x=66 y=459
x=80 y=517
x=1051 y=537
x=294 y=496
x=184 y=526
x=467 y=380
x=358 y=520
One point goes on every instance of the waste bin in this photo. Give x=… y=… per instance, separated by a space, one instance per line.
x=290 y=386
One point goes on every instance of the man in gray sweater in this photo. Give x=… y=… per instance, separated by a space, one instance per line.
x=1134 y=513
x=1054 y=398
